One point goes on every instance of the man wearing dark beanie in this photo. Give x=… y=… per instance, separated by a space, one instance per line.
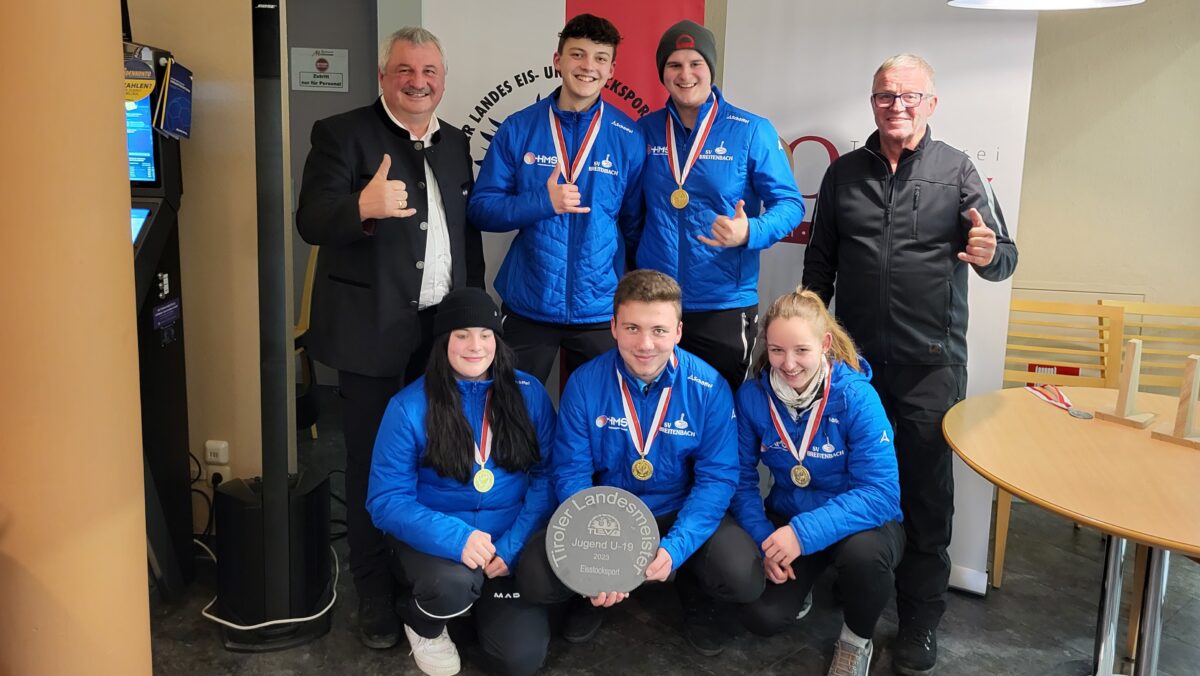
x=718 y=189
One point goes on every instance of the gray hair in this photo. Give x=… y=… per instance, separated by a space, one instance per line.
x=414 y=34
x=907 y=61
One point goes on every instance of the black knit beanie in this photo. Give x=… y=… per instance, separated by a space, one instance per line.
x=687 y=35
x=465 y=308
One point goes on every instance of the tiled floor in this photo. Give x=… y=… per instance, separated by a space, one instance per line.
x=1041 y=622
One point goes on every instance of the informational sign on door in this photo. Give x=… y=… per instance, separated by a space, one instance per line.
x=322 y=70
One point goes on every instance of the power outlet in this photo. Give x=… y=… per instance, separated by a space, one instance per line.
x=223 y=470
x=216 y=452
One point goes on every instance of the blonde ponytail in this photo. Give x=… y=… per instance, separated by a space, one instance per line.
x=807 y=305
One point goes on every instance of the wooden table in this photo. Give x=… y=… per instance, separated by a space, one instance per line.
x=1108 y=476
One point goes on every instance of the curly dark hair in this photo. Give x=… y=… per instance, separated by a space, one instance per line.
x=592 y=27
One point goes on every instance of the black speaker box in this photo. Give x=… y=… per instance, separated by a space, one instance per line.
x=241 y=569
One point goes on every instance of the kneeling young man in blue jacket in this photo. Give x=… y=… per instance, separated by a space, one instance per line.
x=565 y=174
x=686 y=466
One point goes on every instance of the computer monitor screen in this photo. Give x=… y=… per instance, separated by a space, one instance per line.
x=139 y=133
x=138 y=218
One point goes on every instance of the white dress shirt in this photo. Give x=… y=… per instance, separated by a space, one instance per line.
x=437 y=273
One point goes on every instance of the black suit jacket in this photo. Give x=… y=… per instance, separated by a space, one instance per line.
x=368 y=278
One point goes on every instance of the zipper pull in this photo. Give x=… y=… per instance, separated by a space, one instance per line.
x=916 y=197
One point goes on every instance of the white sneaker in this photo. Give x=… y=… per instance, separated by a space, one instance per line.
x=850 y=660
x=434 y=656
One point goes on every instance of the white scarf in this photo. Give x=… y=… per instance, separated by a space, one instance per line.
x=798 y=402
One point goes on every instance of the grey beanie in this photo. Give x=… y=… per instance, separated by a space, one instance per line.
x=687 y=35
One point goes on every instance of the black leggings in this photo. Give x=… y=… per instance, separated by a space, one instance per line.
x=513 y=633
x=724 y=339
x=536 y=344
x=864 y=562
x=727 y=567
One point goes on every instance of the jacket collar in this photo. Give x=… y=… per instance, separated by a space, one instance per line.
x=715 y=97
x=571 y=115
x=842 y=373
x=667 y=377
x=872 y=144
x=474 y=388
x=432 y=135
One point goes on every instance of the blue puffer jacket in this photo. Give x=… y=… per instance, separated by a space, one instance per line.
x=855 y=485
x=561 y=268
x=435 y=514
x=743 y=159
x=694 y=457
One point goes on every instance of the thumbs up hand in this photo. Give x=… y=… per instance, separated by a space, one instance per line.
x=564 y=196
x=382 y=198
x=981 y=242
x=726 y=231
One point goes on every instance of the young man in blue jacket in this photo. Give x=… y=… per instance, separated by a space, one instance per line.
x=718 y=189
x=685 y=470
x=565 y=174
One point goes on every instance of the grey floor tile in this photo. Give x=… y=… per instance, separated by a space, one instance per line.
x=1042 y=622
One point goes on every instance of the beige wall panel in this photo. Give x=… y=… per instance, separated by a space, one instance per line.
x=1107 y=201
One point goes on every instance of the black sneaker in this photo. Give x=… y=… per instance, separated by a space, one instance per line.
x=701 y=628
x=583 y=620
x=378 y=627
x=914 y=652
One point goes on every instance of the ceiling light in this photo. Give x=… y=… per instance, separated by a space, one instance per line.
x=1035 y=5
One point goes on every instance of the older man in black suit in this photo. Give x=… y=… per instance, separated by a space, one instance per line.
x=384 y=195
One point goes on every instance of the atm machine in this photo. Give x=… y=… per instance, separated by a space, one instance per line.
x=156 y=186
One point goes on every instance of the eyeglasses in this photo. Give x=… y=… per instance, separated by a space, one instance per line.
x=888 y=99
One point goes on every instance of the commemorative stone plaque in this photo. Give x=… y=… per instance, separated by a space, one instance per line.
x=601 y=540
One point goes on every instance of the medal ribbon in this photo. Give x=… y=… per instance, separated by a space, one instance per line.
x=810 y=431
x=571 y=169
x=1051 y=395
x=485 y=435
x=702 y=130
x=635 y=426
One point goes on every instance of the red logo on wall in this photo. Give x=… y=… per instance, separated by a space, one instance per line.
x=322 y=64
x=803 y=232
x=685 y=41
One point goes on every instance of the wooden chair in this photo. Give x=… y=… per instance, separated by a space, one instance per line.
x=1052 y=343
x=305 y=399
x=1169 y=333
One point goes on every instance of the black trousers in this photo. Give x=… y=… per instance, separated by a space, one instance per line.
x=364 y=399
x=536 y=344
x=916 y=399
x=724 y=339
x=513 y=633
x=864 y=563
x=728 y=567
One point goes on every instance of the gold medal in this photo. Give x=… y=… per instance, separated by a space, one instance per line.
x=484 y=480
x=800 y=476
x=642 y=469
x=679 y=198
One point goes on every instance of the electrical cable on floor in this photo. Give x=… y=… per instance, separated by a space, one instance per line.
x=271 y=623
x=208 y=521
x=199 y=467
x=338 y=535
